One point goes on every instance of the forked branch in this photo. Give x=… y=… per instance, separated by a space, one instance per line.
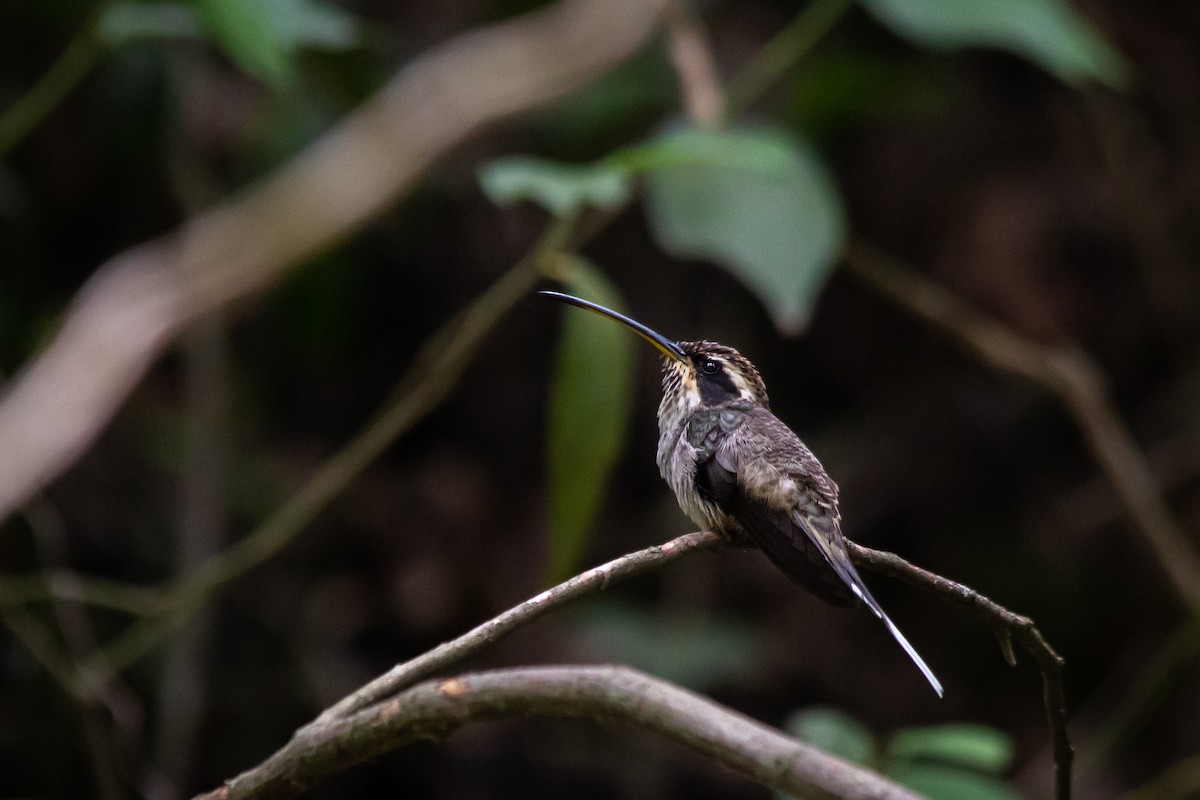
x=392 y=710
x=608 y=694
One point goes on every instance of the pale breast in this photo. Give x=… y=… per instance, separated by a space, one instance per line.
x=677 y=465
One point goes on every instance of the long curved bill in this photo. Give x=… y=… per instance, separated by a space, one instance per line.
x=665 y=346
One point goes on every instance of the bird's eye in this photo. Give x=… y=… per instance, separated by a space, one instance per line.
x=710 y=367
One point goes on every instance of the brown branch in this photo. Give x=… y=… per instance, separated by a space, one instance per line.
x=1008 y=627
x=388 y=712
x=608 y=694
x=136 y=305
x=1075 y=379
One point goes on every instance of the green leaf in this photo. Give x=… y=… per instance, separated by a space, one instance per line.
x=699 y=651
x=769 y=154
x=939 y=782
x=244 y=30
x=757 y=203
x=124 y=22
x=562 y=189
x=1047 y=32
x=974 y=746
x=263 y=36
x=589 y=415
x=308 y=24
x=835 y=732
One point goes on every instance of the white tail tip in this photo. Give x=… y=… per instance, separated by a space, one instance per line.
x=899 y=637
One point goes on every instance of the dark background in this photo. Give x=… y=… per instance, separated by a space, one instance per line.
x=1068 y=213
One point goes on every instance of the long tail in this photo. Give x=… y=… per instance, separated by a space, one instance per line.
x=877 y=610
x=807 y=547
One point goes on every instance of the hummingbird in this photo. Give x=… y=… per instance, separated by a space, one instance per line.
x=737 y=469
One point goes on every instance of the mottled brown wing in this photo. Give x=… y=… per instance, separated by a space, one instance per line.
x=804 y=547
x=763 y=476
x=792 y=548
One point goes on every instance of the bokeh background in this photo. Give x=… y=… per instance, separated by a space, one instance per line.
x=1061 y=204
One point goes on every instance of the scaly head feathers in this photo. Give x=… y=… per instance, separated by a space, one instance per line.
x=710 y=374
x=695 y=374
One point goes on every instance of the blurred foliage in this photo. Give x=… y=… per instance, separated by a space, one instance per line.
x=972 y=746
x=835 y=732
x=130 y=22
x=701 y=652
x=982 y=141
x=941 y=762
x=262 y=36
x=758 y=203
x=589 y=415
x=561 y=189
x=1048 y=32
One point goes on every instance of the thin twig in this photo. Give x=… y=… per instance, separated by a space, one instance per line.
x=432 y=374
x=782 y=52
x=609 y=694
x=1009 y=627
x=430 y=377
x=183 y=683
x=138 y=303
x=32 y=107
x=703 y=100
x=40 y=643
x=62 y=584
x=1075 y=379
x=1068 y=373
x=74 y=629
x=593 y=580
